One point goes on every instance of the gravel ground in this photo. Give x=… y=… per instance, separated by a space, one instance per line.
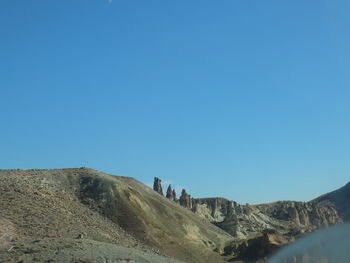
x=77 y=251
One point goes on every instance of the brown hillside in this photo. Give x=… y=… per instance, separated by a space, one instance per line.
x=81 y=206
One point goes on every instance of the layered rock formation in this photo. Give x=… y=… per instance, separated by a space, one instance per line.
x=303 y=214
x=264 y=228
x=261 y=229
x=286 y=217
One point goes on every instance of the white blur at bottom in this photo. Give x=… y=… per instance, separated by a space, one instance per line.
x=331 y=245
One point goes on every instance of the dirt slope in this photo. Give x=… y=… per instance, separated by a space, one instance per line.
x=66 y=204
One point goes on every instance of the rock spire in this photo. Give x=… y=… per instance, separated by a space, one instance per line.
x=185 y=199
x=170 y=193
x=157 y=185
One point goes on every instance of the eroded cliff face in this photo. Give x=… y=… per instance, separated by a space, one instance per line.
x=236 y=219
x=286 y=217
x=303 y=214
x=261 y=229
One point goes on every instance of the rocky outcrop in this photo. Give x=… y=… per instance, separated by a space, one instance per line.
x=287 y=218
x=266 y=227
x=236 y=219
x=212 y=209
x=170 y=193
x=186 y=200
x=157 y=185
x=306 y=215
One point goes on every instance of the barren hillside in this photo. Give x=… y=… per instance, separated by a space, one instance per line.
x=55 y=210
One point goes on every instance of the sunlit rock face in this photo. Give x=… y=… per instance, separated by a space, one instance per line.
x=286 y=218
x=303 y=214
x=263 y=229
x=260 y=230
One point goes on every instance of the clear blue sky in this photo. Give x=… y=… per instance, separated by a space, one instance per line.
x=248 y=100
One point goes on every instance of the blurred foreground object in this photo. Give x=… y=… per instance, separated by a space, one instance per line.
x=331 y=245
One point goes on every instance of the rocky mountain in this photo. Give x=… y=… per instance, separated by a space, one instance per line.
x=83 y=215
